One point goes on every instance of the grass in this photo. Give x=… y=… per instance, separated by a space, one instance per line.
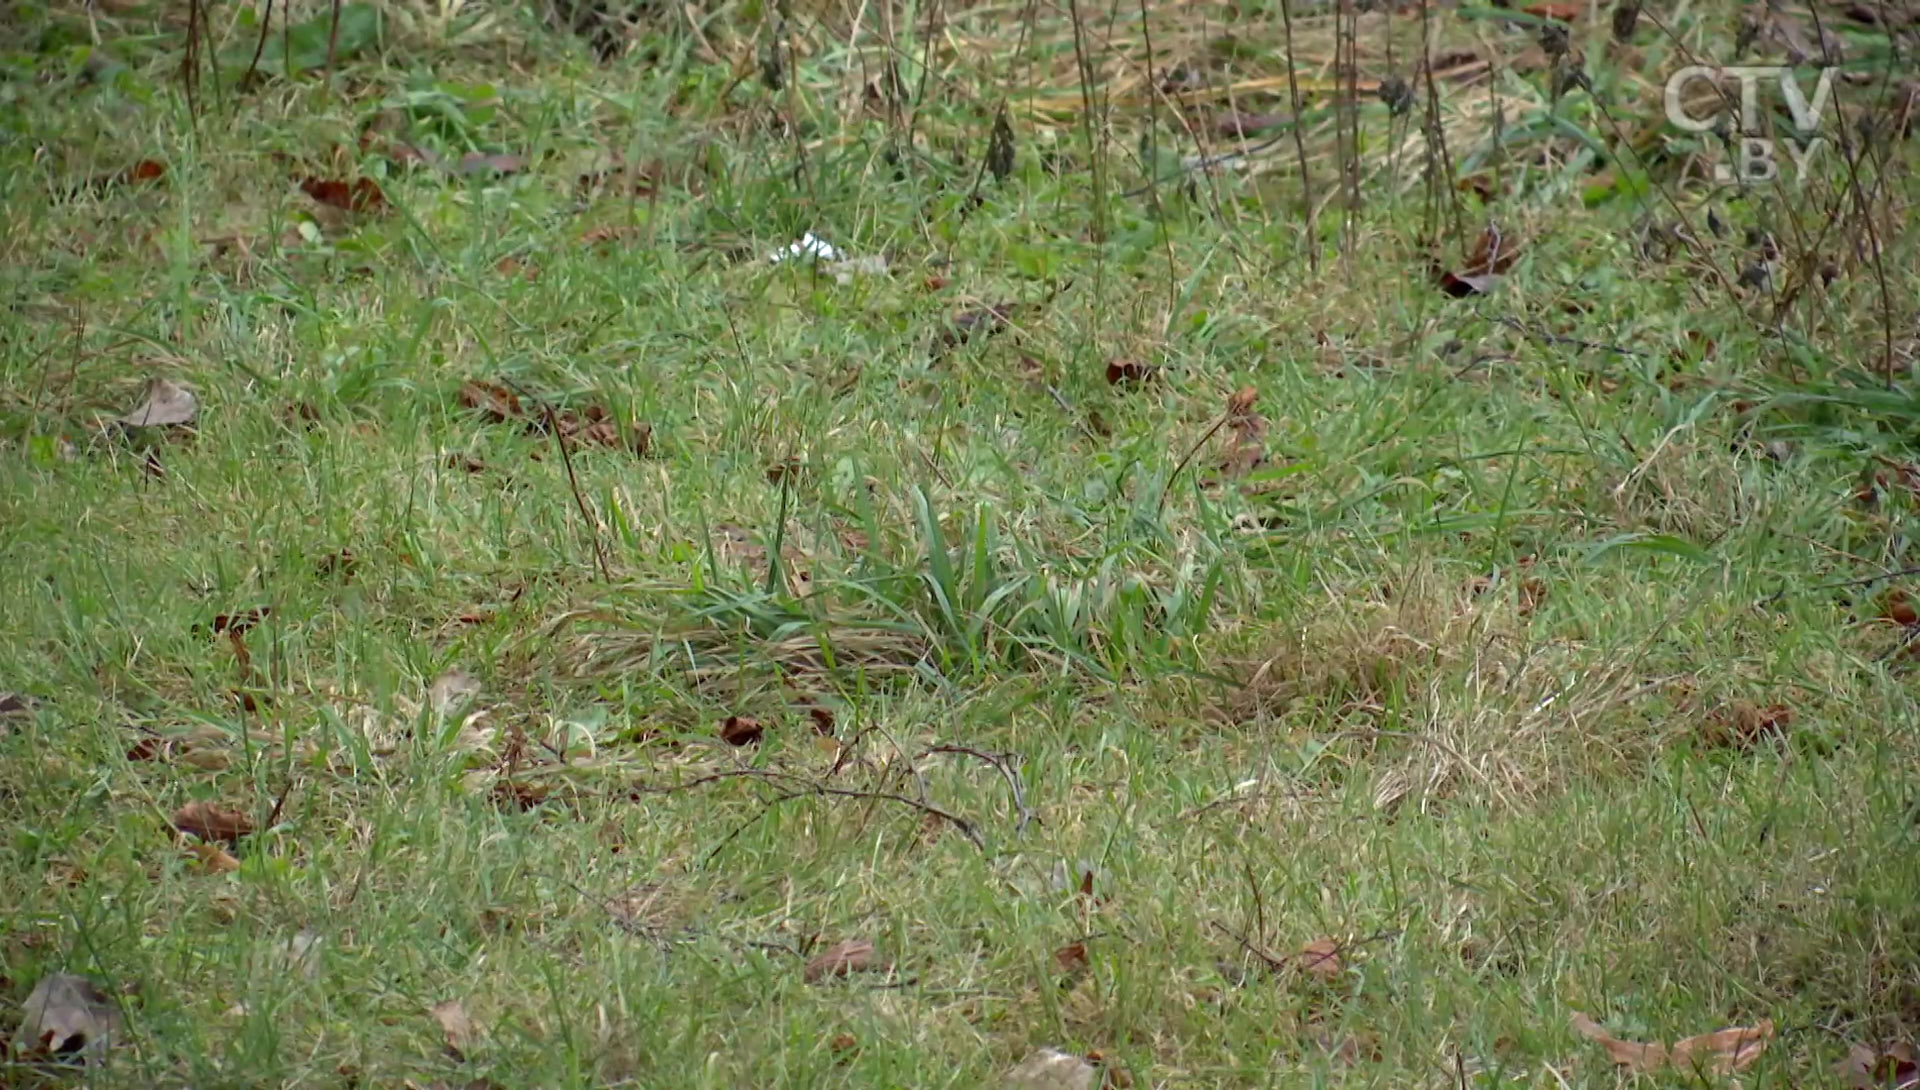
x=1535 y=647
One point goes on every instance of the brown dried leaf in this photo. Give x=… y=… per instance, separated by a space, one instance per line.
x=1897 y=607
x=239 y=622
x=460 y=1032
x=168 y=404
x=1132 y=372
x=1241 y=402
x=359 y=195
x=491 y=400
x=842 y=959
x=1865 y=1068
x=1071 y=958
x=1741 y=723
x=740 y=730
x=67 y=1015
x=1320 y=958
x=211 y=822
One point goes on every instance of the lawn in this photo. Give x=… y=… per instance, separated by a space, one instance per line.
x=830 y=546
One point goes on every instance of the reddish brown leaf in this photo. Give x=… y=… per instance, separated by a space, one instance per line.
x=210 y=822
x=843 y=1046
x=739 y=730
x=1134 y=372
x=1320 y=958
x=601 y=235
x=359 y=195
x=491 y=400
x=467 y=462
x=1071 y=958
x=519 y=794
x=1899 y=608
x=512 y=265
x=1241 y=403
x=1741 y=723
x=842 y=959
x=147 y=749
x=822 y=720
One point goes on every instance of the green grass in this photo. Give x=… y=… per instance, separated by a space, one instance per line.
x=1457 y=677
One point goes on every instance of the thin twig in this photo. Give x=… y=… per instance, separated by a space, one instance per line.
x=1555 y=338
x=1175 y=475
x=1004 y=762
x=259 y=47
x=593 y=524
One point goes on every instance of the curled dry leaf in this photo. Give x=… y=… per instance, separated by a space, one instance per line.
x=1741 y=723
x=741 y=730
x=1721 y=1052
x=359 y=195
x=212 y=823
x=168 y=404
x=1071 y=958
x=67 y=1015
x=1867 y=1068
x=456 y=1024
x=1320 y=958
x=1131 y=372
x=842 y=959
x=491 y=400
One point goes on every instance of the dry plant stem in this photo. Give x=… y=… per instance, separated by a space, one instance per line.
x=792 y=787
x=1439 y=159
x=1003 y=763
x=333 y=36
x=260 y=46
x=190 y=63
x=1088 y=121
x=926 y=69
x=580 y=501
x=1219 y=423
x=1300 y=140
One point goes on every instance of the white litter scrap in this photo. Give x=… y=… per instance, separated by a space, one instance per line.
x=810 y=245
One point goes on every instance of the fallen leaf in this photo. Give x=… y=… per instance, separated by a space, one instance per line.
x=740 y=730
x=213 y=858
x=843 y=1045
x=451 y=690
x=1742 y=723
x=1051 y=1069
x=359 y=195
x=452 y=1016
x=1071 y=958
x=480 y=162
x=513 y=265
x=1561 y=10
x=145 y=170
x=1865 y=1068
x=823 y=724
x=842 y=959
x=15 y=706
x=1133 y=372
x=1241 y=401
x=601 y=235
x=1320 y=958
x=240 y=622
x=67 y=1015
x=212 y=823
x=491 y=400
x=168 y=404
x=1898 y=608
x=1721 y=1052
x=519 y=794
